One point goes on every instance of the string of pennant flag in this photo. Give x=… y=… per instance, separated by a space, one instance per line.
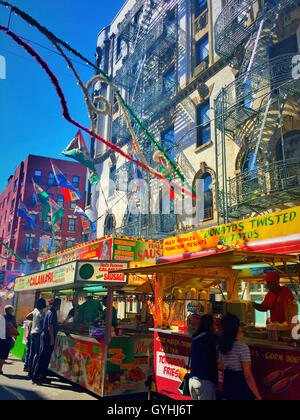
x=81 y=154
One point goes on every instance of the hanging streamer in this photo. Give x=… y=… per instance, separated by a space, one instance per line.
x=66 y=114
x=53 y=39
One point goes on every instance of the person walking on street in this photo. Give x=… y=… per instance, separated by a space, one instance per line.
x=47 y=341
x=204 y=365
x=8 y=330
x=238 y=384
x=37 y=317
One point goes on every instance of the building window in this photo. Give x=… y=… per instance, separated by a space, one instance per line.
x=112 y=180
x=60 y=200
x=288 y=147
x=208 y=195
x=109 y=225
x=15 y=185
x=72 y=224
x=56 y=245
x=169 y=81
x=70 y=243
x=250 y=182
x=203 y=124
x=200 y=7
x=29 y=245
x=46 y=224
x=51 y=179
x=72 y=205
x=12 y=206
x=75 y=181
x=168 y=141
x=202 y=50
x=121 y=44
x=37 y=176
x=33 y=199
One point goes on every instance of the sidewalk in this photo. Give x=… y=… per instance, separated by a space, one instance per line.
x=15 y=385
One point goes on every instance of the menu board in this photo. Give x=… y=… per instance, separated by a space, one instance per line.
x=273 y=225
x=135 y=250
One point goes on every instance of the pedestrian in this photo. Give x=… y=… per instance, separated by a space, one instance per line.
x=238 y=383
x=8 y=331
x=37 y=316
x=47 y=341
x=204 y=365
x=28 y=343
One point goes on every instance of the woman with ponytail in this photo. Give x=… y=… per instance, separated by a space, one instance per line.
x=238 y=383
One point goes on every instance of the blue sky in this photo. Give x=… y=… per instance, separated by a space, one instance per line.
x=31 y=121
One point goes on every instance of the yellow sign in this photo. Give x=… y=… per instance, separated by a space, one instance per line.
x=273 y=225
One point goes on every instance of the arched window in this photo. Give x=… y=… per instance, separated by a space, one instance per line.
x=288 y=147
x=208 y=195
x=167 y=217
x=109 y=225
x=249 y=177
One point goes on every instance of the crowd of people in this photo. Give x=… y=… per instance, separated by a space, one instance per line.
x=210 y=352
x=43 y=328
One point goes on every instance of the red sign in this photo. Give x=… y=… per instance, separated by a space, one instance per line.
x=276 y=372
x=171 y=355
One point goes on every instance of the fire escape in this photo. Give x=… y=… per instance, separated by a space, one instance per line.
x=149 y=34
x=251 y=110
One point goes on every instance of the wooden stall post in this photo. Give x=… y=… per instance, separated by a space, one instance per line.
x=232 y=284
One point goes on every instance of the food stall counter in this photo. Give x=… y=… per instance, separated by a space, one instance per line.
x=93 y=354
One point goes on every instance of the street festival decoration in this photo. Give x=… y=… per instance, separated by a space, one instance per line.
x=70 y=193
x=57 y=213
x=78 y=150
x=57 y=42
x=24 y=213
x=43 y=198
x=11 y=252
x=45 y=244
x=87 y=227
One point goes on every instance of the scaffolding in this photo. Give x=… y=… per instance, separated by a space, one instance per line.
x=251 y=110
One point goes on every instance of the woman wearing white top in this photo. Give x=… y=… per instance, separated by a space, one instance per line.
x=238 y=383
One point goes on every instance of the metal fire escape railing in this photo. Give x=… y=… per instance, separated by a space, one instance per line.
x=266 y=185
x=251 y=108
x=241 y=18
x=239 y=101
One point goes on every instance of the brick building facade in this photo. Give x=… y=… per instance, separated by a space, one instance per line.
x=15 y=231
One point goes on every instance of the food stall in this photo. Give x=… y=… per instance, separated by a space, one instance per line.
x=103 y=360
x=107 y=361
x=185 y=287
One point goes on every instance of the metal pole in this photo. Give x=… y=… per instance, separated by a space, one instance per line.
x=217 y=165
x=224 y=164
x=108 y=316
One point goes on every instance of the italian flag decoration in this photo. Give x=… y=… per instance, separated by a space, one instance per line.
x=57 y=213
x=78 y=150
x=43 y=198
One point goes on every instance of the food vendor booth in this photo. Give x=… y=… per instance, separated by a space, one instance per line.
x=185 y=287
x=107 y=361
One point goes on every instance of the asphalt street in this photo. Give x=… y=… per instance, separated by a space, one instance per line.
x=15 y=385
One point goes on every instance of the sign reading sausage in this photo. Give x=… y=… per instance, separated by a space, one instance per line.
x=98 y=271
